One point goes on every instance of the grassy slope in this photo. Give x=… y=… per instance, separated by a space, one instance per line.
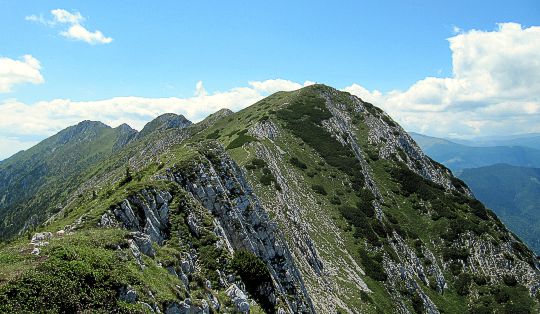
x=416 y=226
x=36 y=182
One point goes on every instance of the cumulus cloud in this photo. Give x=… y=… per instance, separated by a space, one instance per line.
x=78 y=32
x=199 y=89
x=494 y=88
x=13 y=72
x=272 y=86
x=75 y=30
x=20 y=120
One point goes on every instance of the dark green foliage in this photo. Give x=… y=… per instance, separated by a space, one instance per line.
x=501 y=295
x=372 y=264
x=297 y=163
x=319 y=189
x=478 y=209
x=417 y=303
x=254 y=274
x=373 y=155
x=413 y=183
x=335 y=200
x=452 y=253
x=267 y=179
x=128 y=177
x=240 y=140
x=458 y=183
x=480 y=280
x=509 y=280
x=250 y=268
x=456 y=268
x=402 y=154
x=363 y=225
x=505 y=299
x=463 y=283
x=214 y=135
x=442 y=209
x=259 y=163
x=256 y=163
x=521 y=249
x=303 y=117
x=388 y=121
x=71 y=280
x=365 y=204
x=365 y=297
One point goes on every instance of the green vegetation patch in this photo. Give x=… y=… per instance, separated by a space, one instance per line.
x=255 y=275
x=241 y=139
x=303 y=117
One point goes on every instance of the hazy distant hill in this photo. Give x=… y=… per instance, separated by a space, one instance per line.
x=458 y=156
x=513 y=193
x=531 y=140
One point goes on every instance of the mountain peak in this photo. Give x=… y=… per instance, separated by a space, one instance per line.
x=83 y=130
x=124 y=127
x=164 y=122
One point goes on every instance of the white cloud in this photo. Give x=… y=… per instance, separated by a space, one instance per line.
x=19 y=120
x=494 y=89
x=63 y=16
x=199 y=89
x=272 y=86
x=13 y=72
x=76 y=30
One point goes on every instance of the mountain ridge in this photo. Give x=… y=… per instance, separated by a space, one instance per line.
x=307 y=201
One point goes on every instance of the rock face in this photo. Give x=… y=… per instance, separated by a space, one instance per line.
x=151 y=214
x=219 y=185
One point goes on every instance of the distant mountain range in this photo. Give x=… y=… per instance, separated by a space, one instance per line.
x=458 y=156
x=531 y=140
x=505 y=178
x=513 y=193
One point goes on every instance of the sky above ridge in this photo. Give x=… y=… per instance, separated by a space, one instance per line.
x=458 y=69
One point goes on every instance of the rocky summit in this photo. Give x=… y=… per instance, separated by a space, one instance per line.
x=310 y=201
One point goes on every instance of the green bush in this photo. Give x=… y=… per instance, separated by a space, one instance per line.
x=335 y=200
x=462 y=284
x=297 y=163
x=254 y=274
x=372 y=265
x=452 y=253
x=413 y=183
x=214 y=135
x=365 y=204
x=319 y=189
x=258 y=163
x=71 y=280
x=509 y=280
x=478 y=209
x=240 y=140
x=417 y=303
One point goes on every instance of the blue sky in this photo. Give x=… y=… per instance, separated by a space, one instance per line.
x=161 y=49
